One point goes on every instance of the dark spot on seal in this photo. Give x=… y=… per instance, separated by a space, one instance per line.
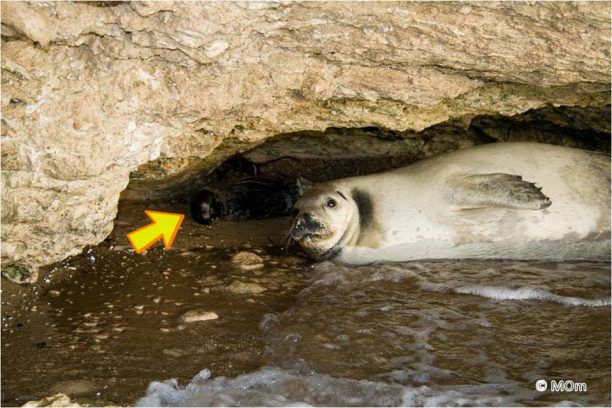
x=341 y=195
x=364 y=204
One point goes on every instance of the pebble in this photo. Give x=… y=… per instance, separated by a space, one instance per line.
x=331 y=346
x=198 y=315
x=247 y=260
x=293 y=260
x=54 y=293
x=90 y=330
x=244 y=288
x=174 y=352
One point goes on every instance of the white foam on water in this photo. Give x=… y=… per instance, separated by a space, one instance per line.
x=271 y=386
x=528 y=293
x=521 y=293
x=340 y=275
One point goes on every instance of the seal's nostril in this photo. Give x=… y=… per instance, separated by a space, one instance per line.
x=307 y=217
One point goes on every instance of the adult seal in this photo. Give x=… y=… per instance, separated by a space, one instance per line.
x=525 y=201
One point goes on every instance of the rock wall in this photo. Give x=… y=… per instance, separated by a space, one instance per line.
x=92 y=91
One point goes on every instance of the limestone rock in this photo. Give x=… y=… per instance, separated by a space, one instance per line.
x=163 y=90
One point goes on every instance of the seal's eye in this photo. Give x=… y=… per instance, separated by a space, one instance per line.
x=331 y=203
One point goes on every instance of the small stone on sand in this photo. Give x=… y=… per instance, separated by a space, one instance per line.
x=174 y=352
x=197 y=315
x=57 y=400
x=244 y=288
x=73 y=387
x=247 y=260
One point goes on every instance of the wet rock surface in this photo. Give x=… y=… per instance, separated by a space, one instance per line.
x=91 y=94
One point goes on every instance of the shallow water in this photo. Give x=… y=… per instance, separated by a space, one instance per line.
x=403 y=335
x=420 y=333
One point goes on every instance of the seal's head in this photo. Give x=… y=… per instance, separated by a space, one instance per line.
x=205 y=207
x=324 y=220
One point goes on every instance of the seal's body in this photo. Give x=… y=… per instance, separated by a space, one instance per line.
x=504 y=201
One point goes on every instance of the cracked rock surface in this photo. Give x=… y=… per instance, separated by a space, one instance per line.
x=91 y=92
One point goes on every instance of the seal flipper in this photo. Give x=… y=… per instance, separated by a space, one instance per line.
x=502 y=190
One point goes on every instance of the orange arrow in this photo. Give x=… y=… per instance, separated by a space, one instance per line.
x=165 y=225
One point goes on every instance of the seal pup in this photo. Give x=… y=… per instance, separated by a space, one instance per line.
x=252 y=198
x=502 y=201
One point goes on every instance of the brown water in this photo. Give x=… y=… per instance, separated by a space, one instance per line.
x=103 y=325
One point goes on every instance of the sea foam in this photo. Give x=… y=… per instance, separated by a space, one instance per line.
x=271 y=386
